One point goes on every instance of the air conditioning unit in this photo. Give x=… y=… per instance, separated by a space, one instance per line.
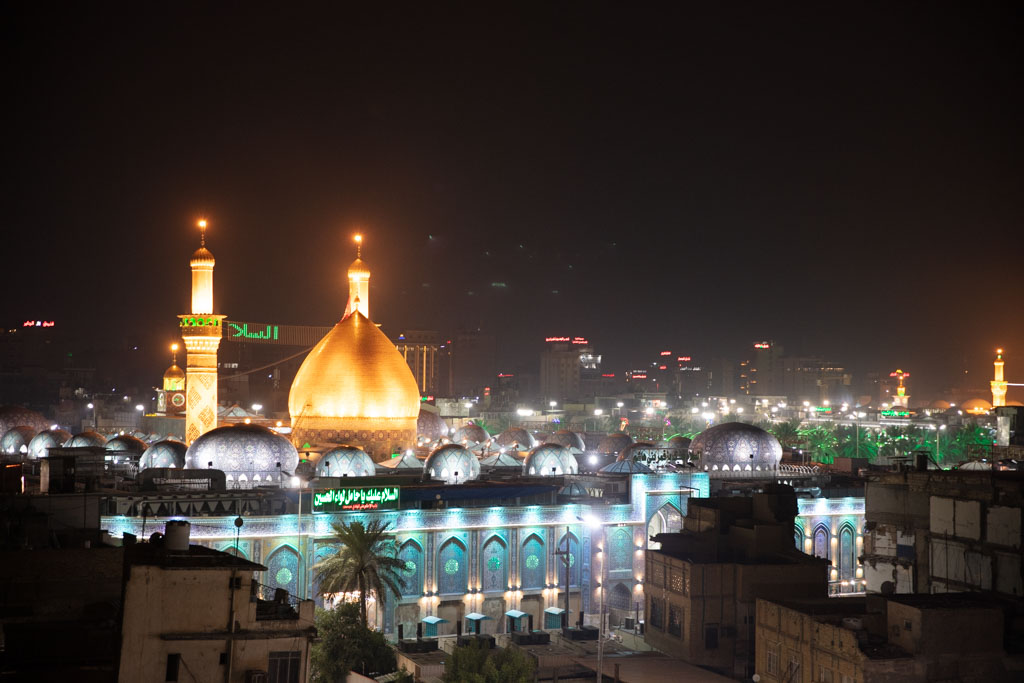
x=254 y=676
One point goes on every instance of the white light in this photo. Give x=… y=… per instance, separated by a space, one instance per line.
x=553 y=403
x=90 y=406
x=827 y=402
x=694 y=410
x=592 y=460
x=468 y=405
x=620 y=404
x=775 y=409
x=257 y=407
x=807 y=404
x=598 y=411
x=704 y=404
x=649 y=410
x=740 y=409
x=708 y=416
x=524 y=412
x=139 y=408
x=296 y=482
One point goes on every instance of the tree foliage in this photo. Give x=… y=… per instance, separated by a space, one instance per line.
x=345 y=644
x=476 y=664
x=366 y=560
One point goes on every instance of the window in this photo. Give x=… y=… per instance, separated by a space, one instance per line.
x=173 y=661
x=824 y=674
x=657 y=616
x=793 y=670
x=847 y=679
x=772 y=661
x=675 y=620
x=711 y=637
x=284 y=667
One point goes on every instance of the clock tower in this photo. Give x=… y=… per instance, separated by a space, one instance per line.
x=201 y=331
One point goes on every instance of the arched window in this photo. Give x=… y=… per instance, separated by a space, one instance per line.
x=821 y=545
x=666 y=520
x=619 y=597
x=847 y=553
x=495 y=565
x=531 y=563
x=412 y=555
x=798 y=537
x=452 y=571
x=283 y=564
x=574 y=560
x=620 y=545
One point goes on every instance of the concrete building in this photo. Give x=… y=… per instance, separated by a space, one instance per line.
x=875 y=639
x=943 y=531
x=703 y=582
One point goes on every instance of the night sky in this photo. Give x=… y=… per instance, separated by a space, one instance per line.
x=845 y=180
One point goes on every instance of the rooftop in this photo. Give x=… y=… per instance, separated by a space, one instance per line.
x=196 y=557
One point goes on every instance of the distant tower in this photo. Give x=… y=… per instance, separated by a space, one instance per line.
x=170 y=397
x=998 y=383
x=358 y=284
x=902 y=398
x=201 y=331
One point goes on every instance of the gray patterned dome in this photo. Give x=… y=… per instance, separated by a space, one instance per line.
x=430 y=425
x=453 y=464
x=633 y=450
x=614 y=443
x=516 y=438
x=18 y=416
x=85 y=439
x=51 y=438
x=167 y=453
x=126 y=443
x=550 y=460
x=563 y=437
x=15 y=440
x=736 y=446
x=248 y=455
x=470 y=433
x=345 y=461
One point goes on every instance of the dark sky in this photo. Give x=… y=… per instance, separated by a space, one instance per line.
x=845 y=180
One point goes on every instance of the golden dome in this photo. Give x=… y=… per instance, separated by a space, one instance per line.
x=202 y=255
x=354 y=372
x=358 y=268
x=174 y=378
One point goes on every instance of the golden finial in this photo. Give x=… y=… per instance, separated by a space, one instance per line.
x=202 y=232
x=174 y=354
x=359 y=246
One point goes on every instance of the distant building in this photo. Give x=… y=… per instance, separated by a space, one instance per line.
x=703 y=582
x=421 y=350
x=880 y=640
x=565 y=364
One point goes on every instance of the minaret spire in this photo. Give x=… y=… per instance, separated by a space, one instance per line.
x=998 y=383
x=358 y=283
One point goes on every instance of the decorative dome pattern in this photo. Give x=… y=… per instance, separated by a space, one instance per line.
x=501 y=459
x=550 y=460
x=345 y=461
x=563 y=437
x=167 y=453
x=248 y=455
x=628 y=466
x=736 y=446
x=174 y=379
x=471 y=433
x=614 y=443
x=516 y=438
x=126 y=443
x=17 y=416
x=86 y=439
x=452 y=464
x=50 y=438
x=15 y=440
x=639 y=452
x=430 y=425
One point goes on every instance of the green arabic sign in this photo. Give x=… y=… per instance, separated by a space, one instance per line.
x=242 y=331
x=362 y=498
x=199 y=322
x=894 y=413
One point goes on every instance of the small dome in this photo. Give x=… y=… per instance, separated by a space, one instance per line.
x=550 y=460
x=471 y=433
x=976 y=405
x=202 y=255
x=680 y=441
x=408 y=461
x=85 y=439
x=125 y=443
x=573 y=490
x=939 y=405
x=44 y=440
x=614 y=443
x=15 y=440
x=452 y=464
x=628 y=466
x=502 y=459
x=563 y=437
x=248 y=455
x=167 y=453
x=345 y=461
x=17 y=416
x=516 y=438
x=736 y=446
x=430 y=425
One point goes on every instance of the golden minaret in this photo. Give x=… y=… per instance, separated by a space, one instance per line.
x=201 y=331
x=998 y=383
x=358 y=284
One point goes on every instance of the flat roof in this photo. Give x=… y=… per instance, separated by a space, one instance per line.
x=196 y=557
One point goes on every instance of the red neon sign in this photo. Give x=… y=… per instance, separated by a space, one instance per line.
x=38 y=323
x=684 y=359
x=666 y=353
x=639 y=375
x=579 y=340
x=661 y=367
x=608 y=374
x=762 y=345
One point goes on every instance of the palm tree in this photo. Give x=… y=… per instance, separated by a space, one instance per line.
x=366 y=560
x=856 y=442
x=788 y=433
x=822 y=442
